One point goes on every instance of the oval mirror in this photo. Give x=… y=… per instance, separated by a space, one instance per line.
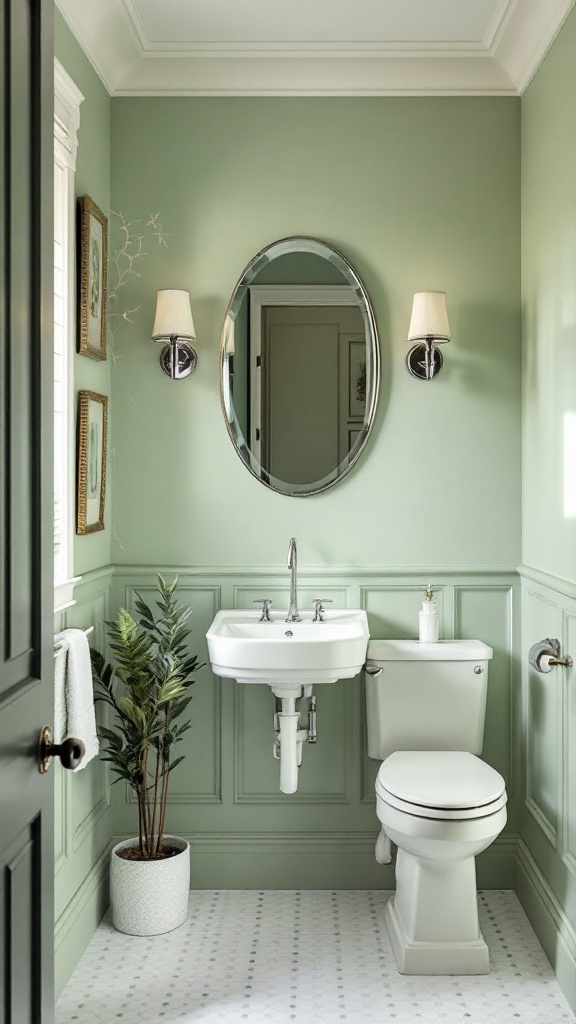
x=299 y=366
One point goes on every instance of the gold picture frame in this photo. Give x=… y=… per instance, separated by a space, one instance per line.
x=92 y=450
x=93 y=255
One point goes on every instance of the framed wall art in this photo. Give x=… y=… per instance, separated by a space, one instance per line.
x=92 y=440
x=93 y=254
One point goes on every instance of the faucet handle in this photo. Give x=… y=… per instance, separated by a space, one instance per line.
x=265 y=602
x=319 y=603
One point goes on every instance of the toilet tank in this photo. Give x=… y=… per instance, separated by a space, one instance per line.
x=426 y=696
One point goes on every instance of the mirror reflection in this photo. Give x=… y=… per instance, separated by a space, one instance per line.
x=299 y=365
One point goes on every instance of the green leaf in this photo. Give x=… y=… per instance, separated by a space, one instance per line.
x=146 y=682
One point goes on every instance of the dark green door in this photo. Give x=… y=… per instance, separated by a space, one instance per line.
x=26 y=502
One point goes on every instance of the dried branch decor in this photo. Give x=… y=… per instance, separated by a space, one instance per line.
x=124 y=263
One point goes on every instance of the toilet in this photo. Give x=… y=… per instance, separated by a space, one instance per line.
x=435 y=798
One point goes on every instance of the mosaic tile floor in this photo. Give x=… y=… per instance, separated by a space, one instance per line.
x=248 y=956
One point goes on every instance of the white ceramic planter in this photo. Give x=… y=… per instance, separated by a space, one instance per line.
x=150 y=897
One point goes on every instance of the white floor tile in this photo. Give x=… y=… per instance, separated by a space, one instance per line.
x=283 y=957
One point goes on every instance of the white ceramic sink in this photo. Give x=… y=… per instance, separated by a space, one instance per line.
x=297 y=653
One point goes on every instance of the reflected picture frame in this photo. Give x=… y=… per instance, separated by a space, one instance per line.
x=356 y=379
x=92 y=262
x=92 y=453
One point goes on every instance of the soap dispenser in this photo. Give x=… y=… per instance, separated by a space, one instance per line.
x=428 y=618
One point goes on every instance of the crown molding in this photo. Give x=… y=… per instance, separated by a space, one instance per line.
x=525 y=34
x=67 y=101
x=105 y=34
x=115 y=40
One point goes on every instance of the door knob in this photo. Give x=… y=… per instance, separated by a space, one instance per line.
x=70 y=751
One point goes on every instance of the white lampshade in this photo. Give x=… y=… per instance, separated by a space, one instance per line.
x=429 y=317
x=173 y=315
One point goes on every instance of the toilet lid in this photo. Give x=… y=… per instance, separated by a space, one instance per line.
x=449 y=779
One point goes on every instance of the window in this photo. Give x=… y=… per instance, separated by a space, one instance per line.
x=66 y=120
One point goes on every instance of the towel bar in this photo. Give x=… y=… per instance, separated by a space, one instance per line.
x=58 y=639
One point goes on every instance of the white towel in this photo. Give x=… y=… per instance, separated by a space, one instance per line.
x=74 y=693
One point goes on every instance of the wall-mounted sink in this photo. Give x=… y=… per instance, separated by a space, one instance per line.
x=288 y=655
x=291 y=657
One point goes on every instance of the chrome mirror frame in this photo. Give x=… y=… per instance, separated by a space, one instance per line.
x=293 y=244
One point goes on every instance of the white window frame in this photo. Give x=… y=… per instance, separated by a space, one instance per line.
x=67 y=100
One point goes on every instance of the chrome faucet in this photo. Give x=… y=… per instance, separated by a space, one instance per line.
x=293 y=566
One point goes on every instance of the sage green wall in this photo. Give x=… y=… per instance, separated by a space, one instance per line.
x=549 y=310
x=93 y=179
x=418 y=194
x=82 y=818
x=547 y=850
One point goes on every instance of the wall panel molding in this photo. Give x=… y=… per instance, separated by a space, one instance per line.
x=77 y=923
x=332 y=815
x=560 y=584
x=552 y=925
x=90 y=821
x=542 y=821
x=187 y=588
x=568 y=832
x=82 y=821
x=501 y=638
x=244 y=796
x=314 y=860
x=250 y=572
x=547 y=849
x=543 y=713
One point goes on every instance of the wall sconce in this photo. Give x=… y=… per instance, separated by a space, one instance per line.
x=428 y=327
x=173 y=323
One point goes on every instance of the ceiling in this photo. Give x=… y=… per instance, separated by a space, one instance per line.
x=315 y=47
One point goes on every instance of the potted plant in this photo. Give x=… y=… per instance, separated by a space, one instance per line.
x=146 y=686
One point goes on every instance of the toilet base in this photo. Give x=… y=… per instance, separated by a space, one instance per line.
x=434 y=957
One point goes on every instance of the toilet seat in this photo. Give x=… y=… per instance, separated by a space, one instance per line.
x=440 y=784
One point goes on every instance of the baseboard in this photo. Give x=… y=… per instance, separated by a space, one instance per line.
x=78 y=922
x=554 y=930
x=315 y=860
x=496 y=866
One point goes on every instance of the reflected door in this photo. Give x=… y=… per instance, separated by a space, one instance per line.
x=304 y=419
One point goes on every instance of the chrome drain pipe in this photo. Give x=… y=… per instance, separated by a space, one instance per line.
x=289 y=739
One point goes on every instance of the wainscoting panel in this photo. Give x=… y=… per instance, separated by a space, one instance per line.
x=323 y=779
x=547 y=864
x=486 y=613
x=243 y=830
x=393 y=609
x=543 y=696
x=279 y=594
x=569 y=737
x=82 y=811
